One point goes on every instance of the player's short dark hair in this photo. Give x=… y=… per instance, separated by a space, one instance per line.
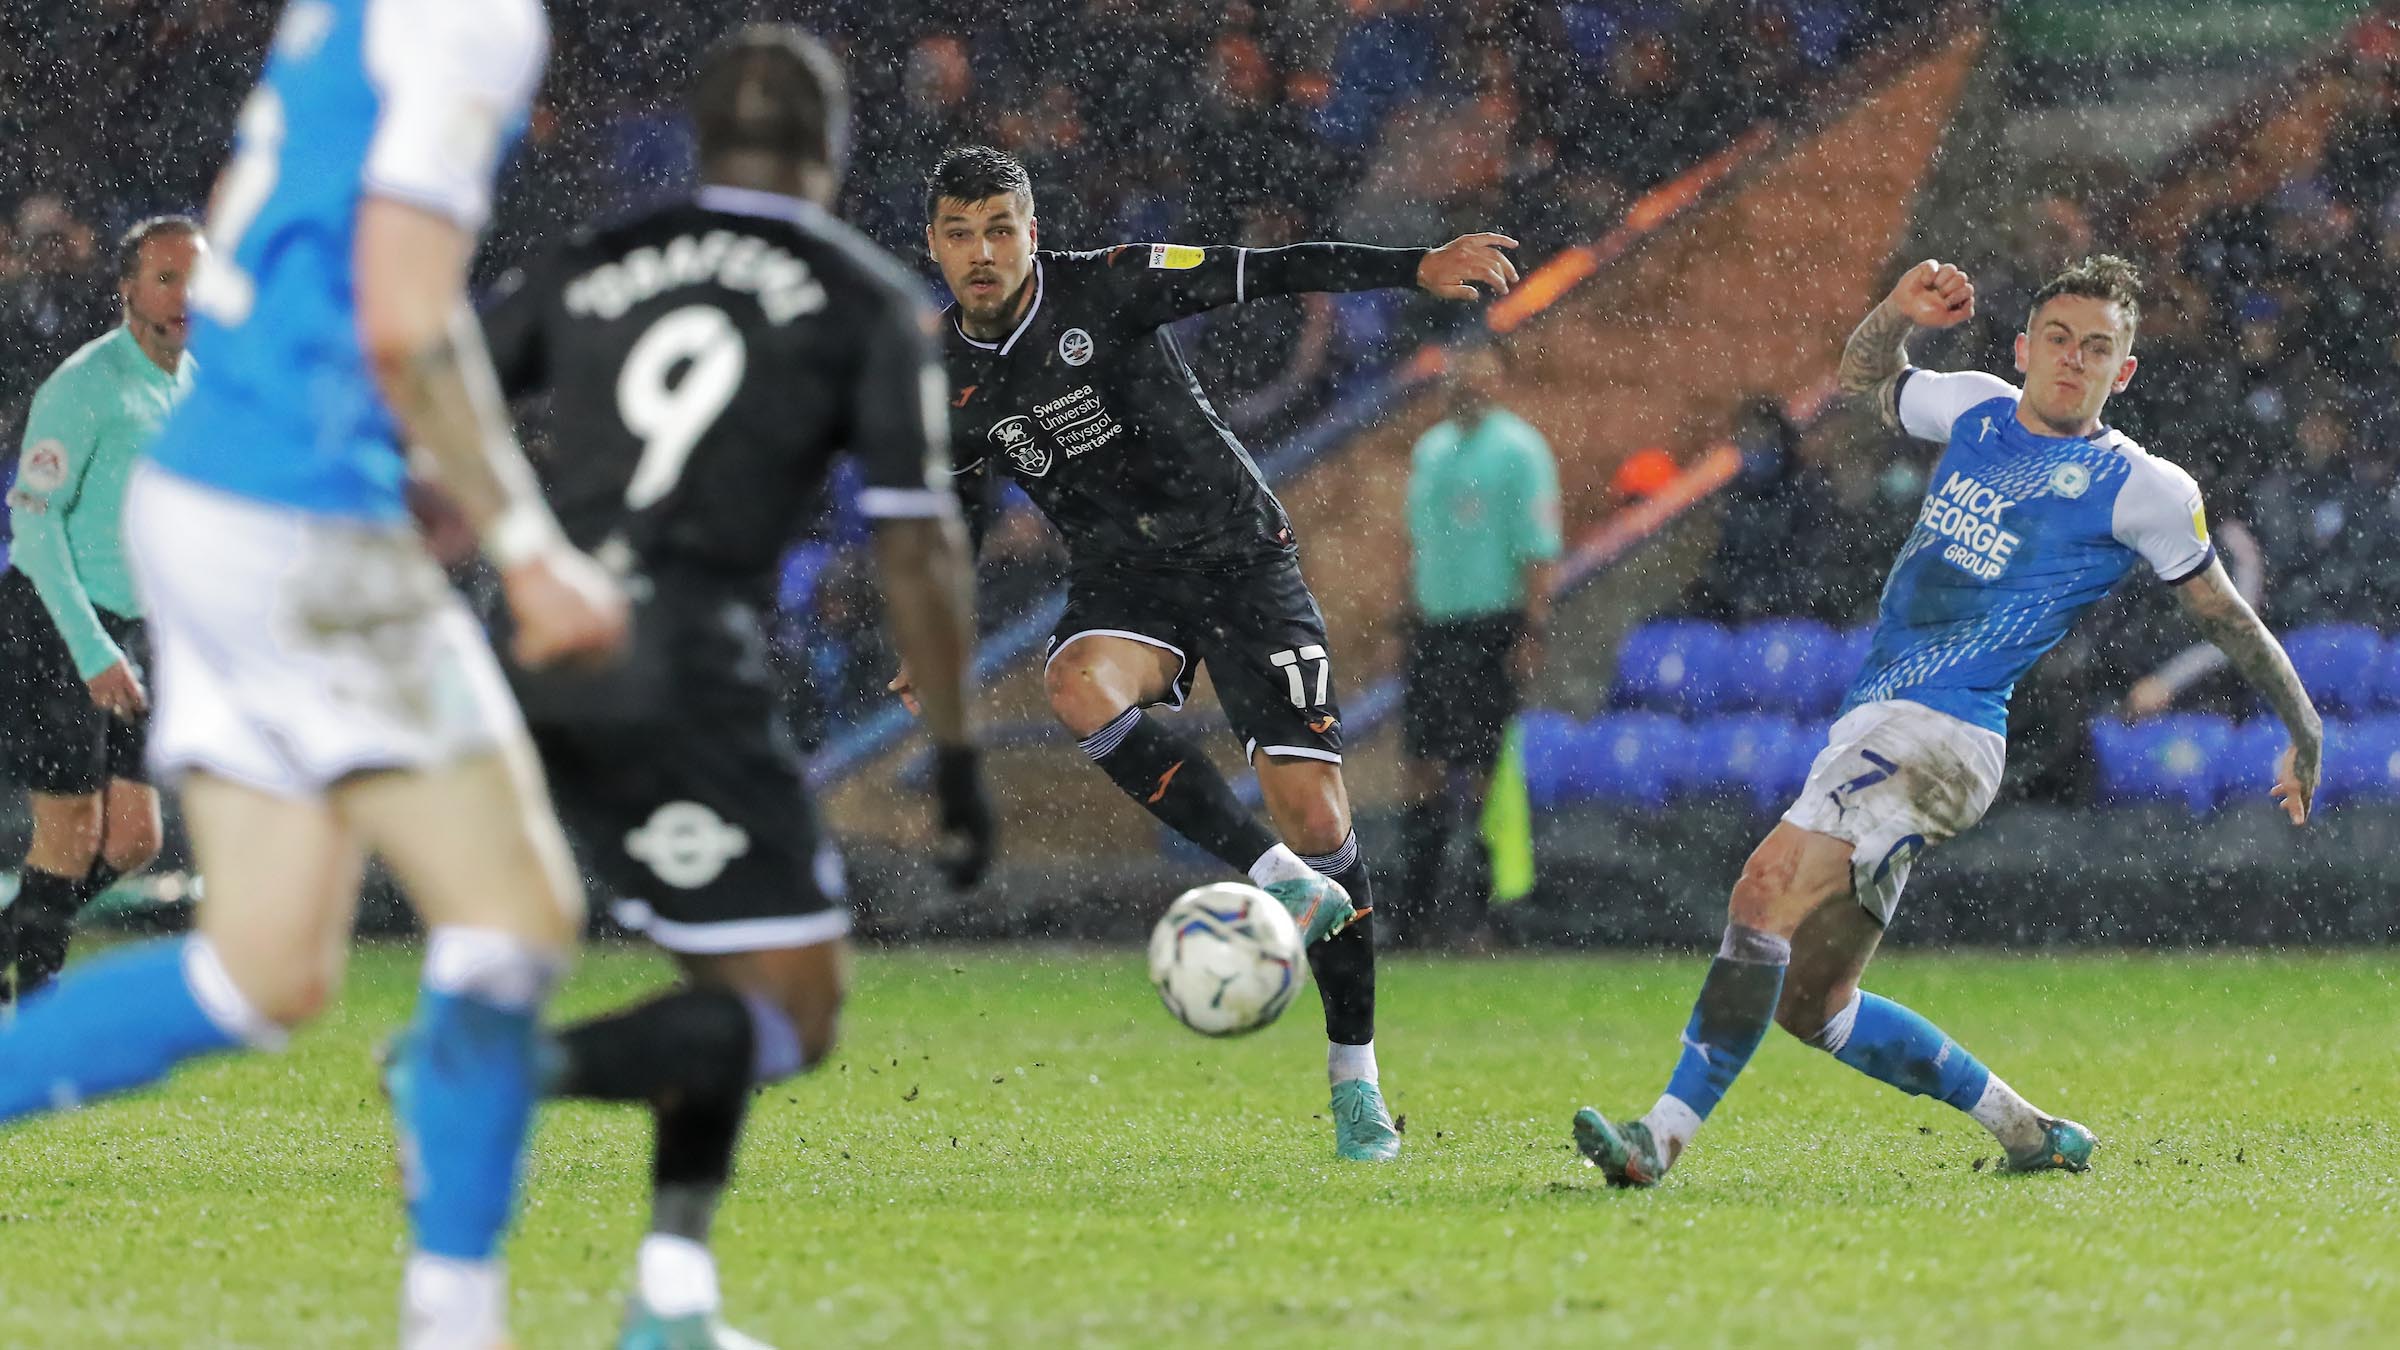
x=2103 y=276
x=970 y=173
x=129 y=247
x=771 y=89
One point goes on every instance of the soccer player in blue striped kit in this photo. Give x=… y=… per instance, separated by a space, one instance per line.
x=321 y=691
x=2036 y=510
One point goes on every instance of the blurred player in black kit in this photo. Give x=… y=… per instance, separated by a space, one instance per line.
x=1063 y=378
x=705 y=362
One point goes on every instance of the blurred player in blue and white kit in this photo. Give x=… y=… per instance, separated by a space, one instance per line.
x=320 y=690
x=2036 y=510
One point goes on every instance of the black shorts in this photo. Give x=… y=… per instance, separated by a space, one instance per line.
x=53 y=738
x=1256 y=628
x=682 y=789
x=1461 y=689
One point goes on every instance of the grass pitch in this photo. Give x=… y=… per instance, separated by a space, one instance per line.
x=1020 y=1149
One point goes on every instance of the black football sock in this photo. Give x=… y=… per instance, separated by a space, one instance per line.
x=691 y=1054
x=1173 y=781
x=1424 y=836
x=97 y=881
x=45 y=919
x=1344 y=964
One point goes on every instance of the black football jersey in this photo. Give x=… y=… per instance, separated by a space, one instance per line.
x=1089 y=405
x=706 y=361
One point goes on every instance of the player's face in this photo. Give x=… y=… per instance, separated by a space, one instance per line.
x=2077 y=351
x=154 y=297
x=985 y=251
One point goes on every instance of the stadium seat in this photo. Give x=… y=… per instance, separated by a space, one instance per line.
x=2181 y=758
x=1785 y=666
x=2338 y=662
x=1551 y=741
x=1674 y=665
x=803 y=568
x=2387 y=675
x=1629 y=758
x=2249 y=772
x=1752 y=756
x=2362 y=761
x=1849 y=657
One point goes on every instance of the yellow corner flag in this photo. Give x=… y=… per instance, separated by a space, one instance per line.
x=1508 y=821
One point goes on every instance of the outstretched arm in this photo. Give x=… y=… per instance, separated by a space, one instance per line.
x=1930 y=295
x=1172 y=281
x=2228 y=621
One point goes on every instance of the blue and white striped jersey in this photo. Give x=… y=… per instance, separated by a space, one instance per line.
x=2019 y=534
x=410 y=100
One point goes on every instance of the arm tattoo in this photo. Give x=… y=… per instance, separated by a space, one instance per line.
x=1872 y=362
x=2229 y=622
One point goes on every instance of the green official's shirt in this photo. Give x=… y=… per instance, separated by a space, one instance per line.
x=1482 y=507
x=88 y=423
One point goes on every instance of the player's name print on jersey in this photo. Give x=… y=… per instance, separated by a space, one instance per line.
x=1969 y=516
x=785 y=287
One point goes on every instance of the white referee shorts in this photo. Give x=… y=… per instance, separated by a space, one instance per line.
x=1894 y=779
x=295 y=650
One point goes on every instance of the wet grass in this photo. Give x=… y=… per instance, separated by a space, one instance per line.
x=1019 y=1149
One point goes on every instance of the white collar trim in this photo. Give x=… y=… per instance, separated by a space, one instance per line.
x=1027 y=322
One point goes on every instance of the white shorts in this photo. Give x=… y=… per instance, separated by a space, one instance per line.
x=294 y=650
x=1894 y=779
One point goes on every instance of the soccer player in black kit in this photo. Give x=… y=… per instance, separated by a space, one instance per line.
x=1063 y=378
x=704 y=362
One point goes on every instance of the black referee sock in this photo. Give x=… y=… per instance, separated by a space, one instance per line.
x=691 y=1055
x=1344 y=964
x=1173 y=781
x=44 y=915
x=1424 y=840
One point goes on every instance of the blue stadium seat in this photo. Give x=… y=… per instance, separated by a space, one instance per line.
x=1630 y=758
x=1552 y=741
x=2362 y=761
x=2337 y=661
x=1785 y=666
x=2249 y=773
x=1674 y=665
x=1752 y=756
x=2182 y=758
x=2387 y=675
x=1849 y=657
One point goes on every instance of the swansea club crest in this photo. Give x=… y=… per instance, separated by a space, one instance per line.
x=1026 y=452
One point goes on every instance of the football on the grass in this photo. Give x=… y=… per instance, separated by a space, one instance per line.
x=1226 y=959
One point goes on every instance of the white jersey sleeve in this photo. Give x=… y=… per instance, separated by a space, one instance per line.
x=2159 y=515
x=1930 y=400
x=455 y=78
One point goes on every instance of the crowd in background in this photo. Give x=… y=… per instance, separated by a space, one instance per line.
x=2269 y=368
x=2269 y=344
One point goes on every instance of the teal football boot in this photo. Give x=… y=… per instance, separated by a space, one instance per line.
x=2066 y=1147
x=1625 y=1153
x=1319 y=905
x=1362 y=1126
x=646 y=1330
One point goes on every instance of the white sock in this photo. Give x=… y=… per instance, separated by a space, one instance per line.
x=451 y=1304
x=2011 y=1119
x=679 y=1277
x=1278 y=864
x=1344 y=1063
x=1673 y=1125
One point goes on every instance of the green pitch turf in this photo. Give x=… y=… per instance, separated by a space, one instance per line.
x=1019 y=1149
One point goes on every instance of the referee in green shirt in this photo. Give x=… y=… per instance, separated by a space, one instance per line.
x=1483 y=529
x=72 y=651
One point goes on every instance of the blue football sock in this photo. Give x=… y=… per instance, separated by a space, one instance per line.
x=465 y=1082
x=116 y=1022
x=1887 y=1042
x=1735 y=1008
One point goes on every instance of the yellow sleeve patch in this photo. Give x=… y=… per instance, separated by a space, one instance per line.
x=2200 y=523
x=1175 y=257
